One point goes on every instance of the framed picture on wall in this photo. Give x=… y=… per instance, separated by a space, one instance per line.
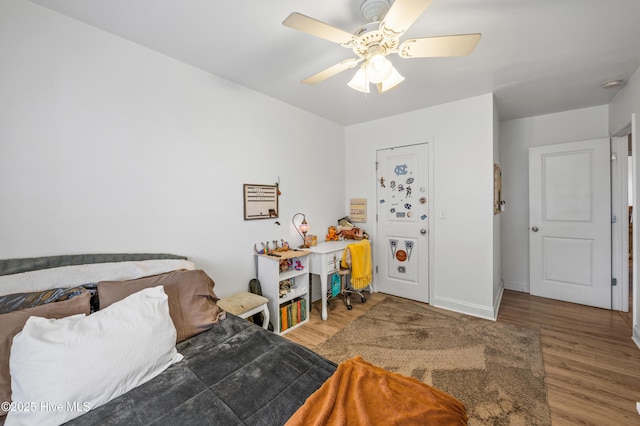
x=358 y=210
x=497 y=189
x=260 y=201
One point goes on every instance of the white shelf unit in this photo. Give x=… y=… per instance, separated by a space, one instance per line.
x=270 y=276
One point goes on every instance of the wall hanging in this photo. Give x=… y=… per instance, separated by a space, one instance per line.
x=260 y=201
x=498 y=202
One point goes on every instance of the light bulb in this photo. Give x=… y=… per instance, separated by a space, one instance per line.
x=378 y=68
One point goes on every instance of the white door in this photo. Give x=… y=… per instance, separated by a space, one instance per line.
x=570 y=222
x=402 y=244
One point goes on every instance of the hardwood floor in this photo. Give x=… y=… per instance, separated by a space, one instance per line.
x=592 y=367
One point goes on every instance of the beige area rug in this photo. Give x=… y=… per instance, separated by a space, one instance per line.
x=495 y=369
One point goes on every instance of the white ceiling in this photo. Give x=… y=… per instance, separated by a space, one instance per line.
x=537 y=56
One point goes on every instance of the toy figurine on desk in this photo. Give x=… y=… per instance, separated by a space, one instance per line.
x=265 y=248
x=283 y=247
x=276 y=248
x=351 y=233
x=332 y=234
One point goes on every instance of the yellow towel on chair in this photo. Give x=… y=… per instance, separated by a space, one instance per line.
x=360 y=263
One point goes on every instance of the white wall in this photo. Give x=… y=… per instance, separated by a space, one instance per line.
x=624 y=106
x=516 y=137
x=106 y=146
x=461 y=135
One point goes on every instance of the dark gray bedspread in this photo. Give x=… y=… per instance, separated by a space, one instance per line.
x=234 y=374
x=16 y=266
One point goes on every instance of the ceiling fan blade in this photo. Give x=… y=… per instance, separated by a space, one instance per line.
x=308 y=25
x=401 y=15
x=331 y=71
x=433 y=47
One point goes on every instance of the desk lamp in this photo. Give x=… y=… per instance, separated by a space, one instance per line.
x=302 y=229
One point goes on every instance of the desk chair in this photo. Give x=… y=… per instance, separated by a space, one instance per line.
x=355 y=271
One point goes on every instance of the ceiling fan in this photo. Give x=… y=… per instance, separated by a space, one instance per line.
x=378 y=38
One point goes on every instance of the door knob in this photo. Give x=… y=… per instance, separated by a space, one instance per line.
x=534 y=229
x=423 y=231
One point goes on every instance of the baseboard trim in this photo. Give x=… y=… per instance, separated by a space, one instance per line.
x=480 y=311
x=636 y=336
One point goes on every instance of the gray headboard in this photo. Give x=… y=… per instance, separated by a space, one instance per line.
x=15 y=266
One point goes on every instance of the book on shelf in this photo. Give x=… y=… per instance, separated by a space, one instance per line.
x=283 y=319
x=303 y=309
x=293 y=313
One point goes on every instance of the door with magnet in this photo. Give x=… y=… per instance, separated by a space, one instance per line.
x=570 y=222
x=402 y=245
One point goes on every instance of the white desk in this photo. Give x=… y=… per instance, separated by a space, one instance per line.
x=325 y=260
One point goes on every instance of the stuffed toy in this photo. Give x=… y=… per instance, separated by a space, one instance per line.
x=332 y=234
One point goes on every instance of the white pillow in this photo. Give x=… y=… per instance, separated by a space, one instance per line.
x=62 y=368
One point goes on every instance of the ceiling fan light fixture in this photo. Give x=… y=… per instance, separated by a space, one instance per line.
x=359 y=81
x=387 y=21
x=392 y=81
x=379 y=68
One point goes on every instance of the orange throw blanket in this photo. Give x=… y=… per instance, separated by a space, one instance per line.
x=359 y=393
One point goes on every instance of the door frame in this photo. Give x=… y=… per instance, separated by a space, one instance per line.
x=635 y=234
x=631 y=128
x=430 y=210
x=619 y=229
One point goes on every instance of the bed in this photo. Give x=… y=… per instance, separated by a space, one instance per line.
x=223 y=370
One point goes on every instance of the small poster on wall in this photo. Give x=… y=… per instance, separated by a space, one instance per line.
x=260 y=201
x=358 y=210
x=498 y=203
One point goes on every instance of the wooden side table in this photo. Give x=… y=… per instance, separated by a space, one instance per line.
x=246 y=304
